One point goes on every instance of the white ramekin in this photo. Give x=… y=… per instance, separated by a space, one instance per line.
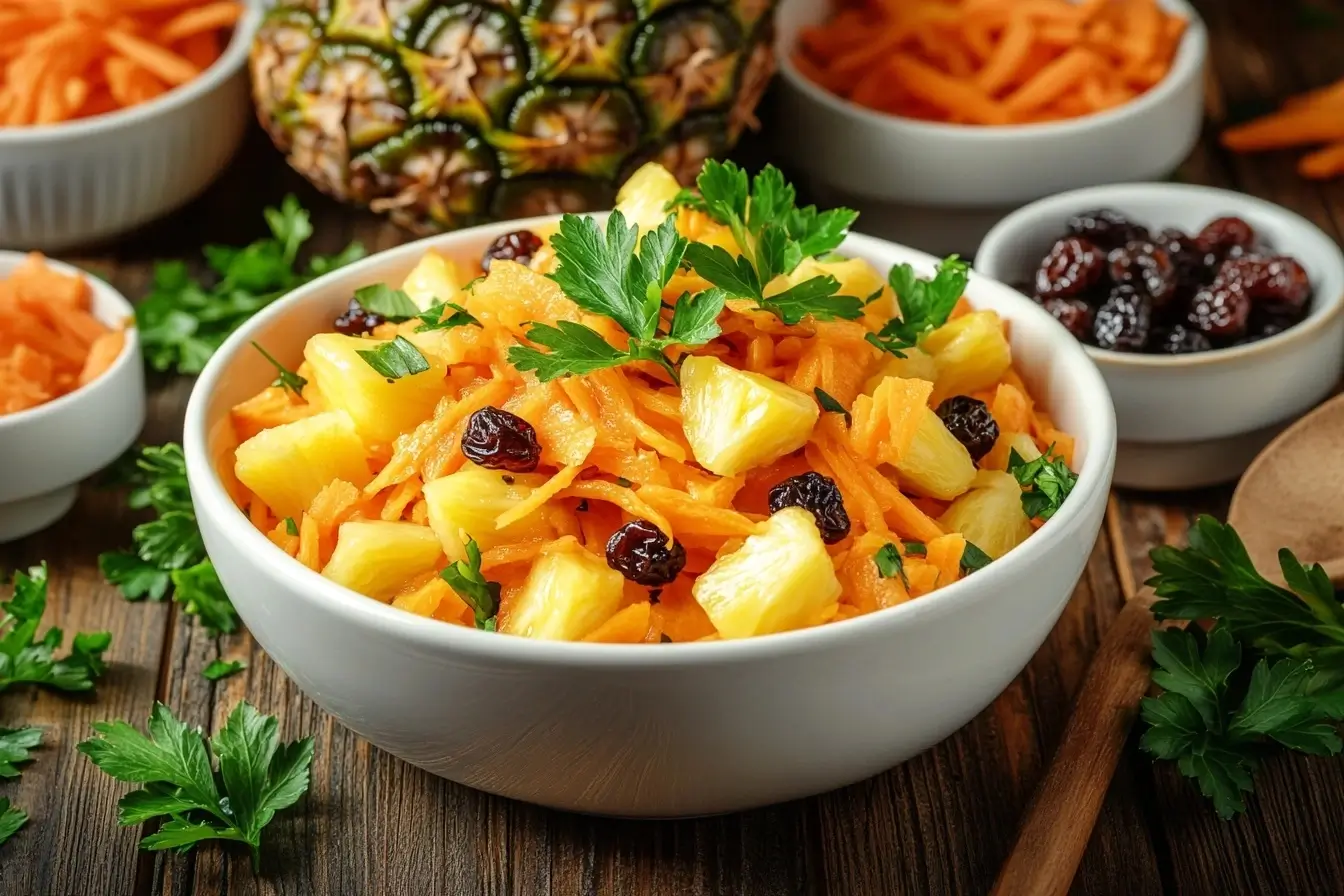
x=657 y=730
x=46 y=451
x=75 y=183
x=1187 y=421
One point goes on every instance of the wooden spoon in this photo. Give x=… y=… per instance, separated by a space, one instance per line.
x=1290 y=497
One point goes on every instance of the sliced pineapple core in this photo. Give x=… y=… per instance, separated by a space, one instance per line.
x=935 y=464
x=568 y=594
x=970 y=352
x=433 y=281
x=469 y=501
x=287 y=465
x=378 y=559
x=780 y=579
x=644 y=197
x=990 y=515
x=736 y=420
x=382 y=409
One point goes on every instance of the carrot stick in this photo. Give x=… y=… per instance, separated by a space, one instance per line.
x=1060 y=76
x=202 y=19
x=1008 y=56
x=162 y=63
x=932 y=86
x=1323 y=163
x=1293 y=127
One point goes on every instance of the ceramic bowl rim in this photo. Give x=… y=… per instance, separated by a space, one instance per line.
x=214 y=504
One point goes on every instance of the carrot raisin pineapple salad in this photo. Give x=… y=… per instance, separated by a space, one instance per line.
x=696 y=421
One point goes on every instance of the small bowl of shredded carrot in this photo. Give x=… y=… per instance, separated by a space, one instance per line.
x=986 y=104
x=113 y=112
x=72 y=392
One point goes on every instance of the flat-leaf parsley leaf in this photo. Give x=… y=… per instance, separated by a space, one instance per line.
x=27 y=659
x=925 y=304
x=395 y=359
x=465 y=577
x=1046 y=482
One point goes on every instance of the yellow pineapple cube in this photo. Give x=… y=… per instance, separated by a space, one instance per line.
x=1001 y=453
x=736 y=420
x=433 y=281
x=568 y=593
x=287 y=465
x=513 y=295
x=916 y=365
x=990 y=515
x=857 y=278
x=644 y=197
x=935 y=464
x=378 y=559
x=781 y=578
x=470 y=500
x=970 y=352
x=382 y=409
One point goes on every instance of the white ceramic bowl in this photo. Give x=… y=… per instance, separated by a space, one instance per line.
x=1188 y=421
x=941 y=186
x=631 y=730
x=45 y=451
x=78 y=182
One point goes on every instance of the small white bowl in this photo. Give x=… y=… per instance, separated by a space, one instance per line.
x=1187 y=421
x=74 y=183
x=651 y=731
x=941 y=186
x=46 y=451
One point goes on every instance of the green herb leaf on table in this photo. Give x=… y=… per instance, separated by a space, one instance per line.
x=183 y=321
x=889 y=563
x=222 y=669
x=27 y=659
x=433 y=318
x=972 y=558
x=1046 y=482
x=390 y=304
x=257 y=776
x=465 y=577
x=11 y=819
x=198 y=591
x=285 y=378
x=925 y=304
x=15 y=744
x=828 y=403
x=395 y=359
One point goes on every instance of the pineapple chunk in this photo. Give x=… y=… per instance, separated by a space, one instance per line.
x=433 y=281
x=287 y=465
x=378 y=558
x=382 y=410
x=513 y=295
x=644 y=197
x=999 y=455
x=990 y=515
x=916 y=365
x=935 y=464
x=470 y=500
x=780 y=579
x=568 y=593
x=970 y=352
x=736 y=420
x=857 y=278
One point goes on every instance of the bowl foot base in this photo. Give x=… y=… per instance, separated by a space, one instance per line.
x=20 y=518
x=1173 y=466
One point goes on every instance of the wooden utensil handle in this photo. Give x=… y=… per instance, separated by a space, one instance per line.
x=1059 y=820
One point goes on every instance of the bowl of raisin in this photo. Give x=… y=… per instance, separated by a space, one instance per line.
x=1215 y=317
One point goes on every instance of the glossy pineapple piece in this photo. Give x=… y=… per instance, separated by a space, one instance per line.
x=381 y=409
x=287 y=465
x=568 y=593
x=470 y=500
x=378 y=558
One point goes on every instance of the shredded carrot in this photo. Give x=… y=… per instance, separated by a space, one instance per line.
x=1314 y=117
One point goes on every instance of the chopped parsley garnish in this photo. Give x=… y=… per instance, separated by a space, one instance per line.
x=222 y=669
x=27 y=659
x=291 y=527
x=915 y=548
x=828 y=403
x=972 y=558
x=392 y=305
x=1046 y=482
x=433 y=319
x=925 y=304
x=285 y=378
x=890 y=564
x=465 y=577
x=395 y=359
x=602 y=274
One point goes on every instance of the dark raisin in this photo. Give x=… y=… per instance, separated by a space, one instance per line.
x=1270 y=318
x=1180 y=340
x=356 y=321
x=1106 y=228
x=655 y=595
x=1220 y=310
x=1224 y=238
x=498 y=440
x=1186 y=255
x=1074 y=314
x=519 y=246
x=1147 y=267
x=971 y=424
x=582 y=506
x=508 y=480
x=1071 y=266
x=1123 y=321
x=638 y=550
x=820 y=496
x=1281 y=280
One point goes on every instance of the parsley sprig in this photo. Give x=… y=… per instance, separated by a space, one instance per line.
x=27 y=659
x=1269 y=671
x=1046 y=482
x=183 y=321
x=774 y=236
x=465 y=577
x=925 y=304
x=257 y=776
x=889 y=563
x=11 y=819
x=15 y=747
x=169 y=552
x=284 y=377
x=602 y=274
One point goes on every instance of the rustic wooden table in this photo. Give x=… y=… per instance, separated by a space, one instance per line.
x=941 y=823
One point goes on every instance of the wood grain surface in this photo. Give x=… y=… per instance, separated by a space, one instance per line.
x=939 y=824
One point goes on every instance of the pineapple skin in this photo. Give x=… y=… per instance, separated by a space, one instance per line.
x=287 y=465
x=381 y=410
x=936 y=465
x=470 y=500
x=735 y=420
x=780 y=579
x=990 y=515
x=568 y=593
x=378 y=558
